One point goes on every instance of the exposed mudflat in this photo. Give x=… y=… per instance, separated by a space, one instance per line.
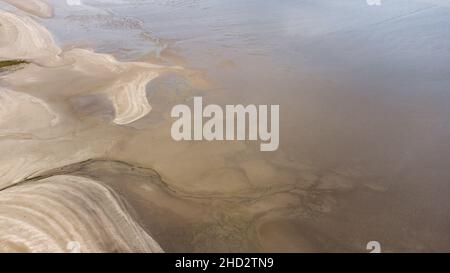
x=86 y=154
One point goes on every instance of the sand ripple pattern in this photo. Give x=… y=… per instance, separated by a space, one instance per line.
x=123 y=82
x=47 y=215
x=50 y=214
x=23 y=38
x=36 y=7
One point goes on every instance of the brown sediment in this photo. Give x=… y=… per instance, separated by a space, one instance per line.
x=182 y=220
x=75 y=115
x=62 y=209
x=75 y=106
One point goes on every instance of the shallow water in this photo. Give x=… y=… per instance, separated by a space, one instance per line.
x=364 y=98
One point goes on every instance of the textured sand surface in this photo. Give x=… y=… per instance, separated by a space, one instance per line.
x=364 y=126
x=23 y=38
x=48 y=214
x=39 y=8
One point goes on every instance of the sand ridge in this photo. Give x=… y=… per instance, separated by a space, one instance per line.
x=39 y=8
x=23 y=38
x=62 y=209
x=328 y=188
x=45 y=216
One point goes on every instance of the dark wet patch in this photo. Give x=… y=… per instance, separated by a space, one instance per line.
x=9 y=63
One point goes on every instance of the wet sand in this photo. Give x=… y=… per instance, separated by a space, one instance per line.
x=363 y=154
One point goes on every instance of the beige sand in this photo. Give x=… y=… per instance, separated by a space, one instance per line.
x=38 y=105
x=23 y=38
x=49 y=215
x=39 y=8
x=74 y=121
x=76 y=105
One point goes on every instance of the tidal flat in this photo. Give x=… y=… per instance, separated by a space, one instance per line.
x=87 y=156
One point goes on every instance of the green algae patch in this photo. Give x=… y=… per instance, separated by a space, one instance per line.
x=6 y=64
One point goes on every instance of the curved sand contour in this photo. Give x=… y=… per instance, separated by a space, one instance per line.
x=36 y=7
x=59 y=213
